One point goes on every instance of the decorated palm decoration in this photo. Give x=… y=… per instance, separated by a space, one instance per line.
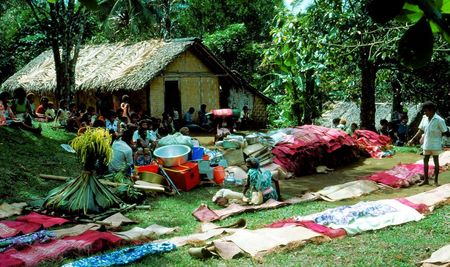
x=86 y=193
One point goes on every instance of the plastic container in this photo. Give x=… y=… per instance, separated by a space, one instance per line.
x=185 y=177
x=147 y=168
x=230 y=180
x=219 y=174
x=197 y=153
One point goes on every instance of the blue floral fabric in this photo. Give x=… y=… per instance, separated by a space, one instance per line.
x=28 y=239
x=123 y=256
x=346 y=214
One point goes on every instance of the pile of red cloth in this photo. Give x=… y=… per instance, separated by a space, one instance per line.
x=306 y=147
x=402 y=175
x=28 y=224
x=371 y=142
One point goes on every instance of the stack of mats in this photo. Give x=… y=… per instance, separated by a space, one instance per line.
x=371 y=142
x=308 y=146
x=23 y=246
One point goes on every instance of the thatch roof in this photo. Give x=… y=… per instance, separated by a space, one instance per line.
x=119 y=66
x=105 y=67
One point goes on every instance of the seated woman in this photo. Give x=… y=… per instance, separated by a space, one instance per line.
x=21 y=107
x=143 y=140
x=8 y=117
x=62 y=115
x=41 y=109
x=261 y=182
x=167 y=123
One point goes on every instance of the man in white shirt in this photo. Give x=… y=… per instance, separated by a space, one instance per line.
x=432 y=127
x=122 y=153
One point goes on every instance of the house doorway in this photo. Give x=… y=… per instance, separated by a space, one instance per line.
x=172 y=97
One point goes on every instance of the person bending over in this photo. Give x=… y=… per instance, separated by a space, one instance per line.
x=261 y=182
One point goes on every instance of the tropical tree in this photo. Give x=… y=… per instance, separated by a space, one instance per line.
x=294 y=63
x=235 y=30
x=351 y=46
x=63 y=23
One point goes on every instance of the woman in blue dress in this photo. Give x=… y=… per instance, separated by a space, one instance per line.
x=260 y=181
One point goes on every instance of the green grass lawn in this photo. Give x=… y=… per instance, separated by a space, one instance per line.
x=23 y=156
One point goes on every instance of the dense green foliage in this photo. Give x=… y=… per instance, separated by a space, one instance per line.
x=334 y=50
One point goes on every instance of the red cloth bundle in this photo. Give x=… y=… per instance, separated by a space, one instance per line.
x=28 y=224
x=309 y=146
x=371 y=142
x=400 y=175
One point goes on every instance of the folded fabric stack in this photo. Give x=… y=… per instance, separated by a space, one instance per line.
x=308 y=146
x=374 y=144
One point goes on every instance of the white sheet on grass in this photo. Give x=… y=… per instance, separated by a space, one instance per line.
x=401 y=215
x=440 y=256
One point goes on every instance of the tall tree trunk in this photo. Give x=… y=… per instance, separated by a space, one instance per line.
x=310 y=101
x=167 y=22
x=368 y=77
x=64 y=33
x=396 y=96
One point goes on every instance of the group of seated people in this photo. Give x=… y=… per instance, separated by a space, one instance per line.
x=19 y=110
x=341 y=124
x=397 y=129
x=217 y=119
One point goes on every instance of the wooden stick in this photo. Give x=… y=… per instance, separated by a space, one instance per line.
x=146 y=186
x=93 y=221
x=54 y=177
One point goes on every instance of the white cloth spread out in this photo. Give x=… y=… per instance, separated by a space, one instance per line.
x=433 y=129
x=433 y=197
x=395 y=213
x=441 y=256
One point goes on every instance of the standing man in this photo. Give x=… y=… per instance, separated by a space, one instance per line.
x=432 y=127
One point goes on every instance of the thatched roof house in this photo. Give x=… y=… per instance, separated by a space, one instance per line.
x=158 y=75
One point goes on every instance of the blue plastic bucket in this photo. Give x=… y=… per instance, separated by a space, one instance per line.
x=197 y=153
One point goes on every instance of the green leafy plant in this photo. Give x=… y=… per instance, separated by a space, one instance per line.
x=429 y=17
x=86 y=193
